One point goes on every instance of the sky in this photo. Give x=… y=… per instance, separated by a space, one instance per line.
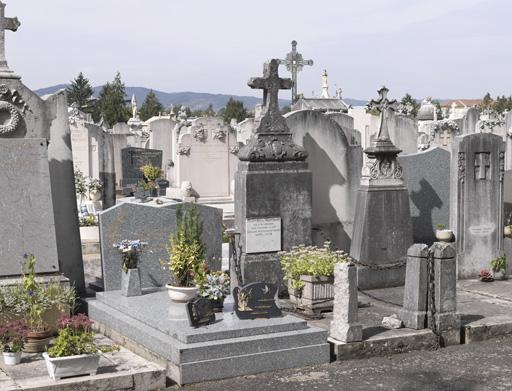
x=439 y=48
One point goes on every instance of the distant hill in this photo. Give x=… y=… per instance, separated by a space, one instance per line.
x=193 y=100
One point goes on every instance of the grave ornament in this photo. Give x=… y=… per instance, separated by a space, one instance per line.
x=256 y=300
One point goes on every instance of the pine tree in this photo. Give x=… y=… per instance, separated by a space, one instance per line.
x=80 y=92
x=111 y=103
x=234 y=109
x=409 y=100
x=150 y=107
x=487 y=101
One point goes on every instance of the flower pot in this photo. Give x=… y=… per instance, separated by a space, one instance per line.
x=130 y=283
x=37 y=341
x=444 y=235
x=95 y=195
x=153 y=192
x=11 y=358
x=316 y=296
x=507 y=231
x=84 y=364
x=499 y=275
x=180 y=294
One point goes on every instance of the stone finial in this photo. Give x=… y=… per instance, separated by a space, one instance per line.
x=325 y=85
x=272 y=140
x=11 y=24
x=134 y=106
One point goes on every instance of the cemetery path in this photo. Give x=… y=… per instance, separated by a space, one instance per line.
x=474 y=367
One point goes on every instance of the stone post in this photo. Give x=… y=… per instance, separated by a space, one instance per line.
x=445 y=271
x=344 y=326
x=107 y=170
x=414 y=311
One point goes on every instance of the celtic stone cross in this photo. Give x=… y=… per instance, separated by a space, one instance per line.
x=294 y=63
x=383 y=104
x=270 y=83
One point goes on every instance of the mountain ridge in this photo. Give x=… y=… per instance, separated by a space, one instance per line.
x=193 y=100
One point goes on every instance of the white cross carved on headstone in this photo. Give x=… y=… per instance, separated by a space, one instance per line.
x=482 y=165
x=5 y=24
x=294 y=63
x=445 y=136
x=271 y=83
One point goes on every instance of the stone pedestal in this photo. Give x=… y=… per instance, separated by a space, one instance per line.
x=344 y=326
x=272 y=190
x=414 y=311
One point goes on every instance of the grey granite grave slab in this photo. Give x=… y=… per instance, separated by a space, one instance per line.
x=132 y=161
x=229 y=347
x=26 y=208
x=152 y=223
x=427 y=178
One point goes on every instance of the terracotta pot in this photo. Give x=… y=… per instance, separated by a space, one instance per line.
x=37 y=341
x=180 y=294
x=444 y=235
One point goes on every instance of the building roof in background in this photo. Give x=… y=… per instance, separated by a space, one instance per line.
x=462 y=103
x=321 y=104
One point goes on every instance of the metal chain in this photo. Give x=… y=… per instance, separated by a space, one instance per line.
x=431 y=297
x=389 y=266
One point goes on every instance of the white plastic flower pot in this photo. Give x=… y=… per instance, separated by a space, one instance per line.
x=12 y=358
x=180 y=294
x=444 y=235
x=84 y=364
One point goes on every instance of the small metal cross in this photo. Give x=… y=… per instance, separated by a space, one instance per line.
x=294 y=63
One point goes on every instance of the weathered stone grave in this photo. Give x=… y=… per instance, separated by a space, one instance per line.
x=38 y=208
x=476 y=210
x=272 y=189
x=132 y=161
x=207 y=158
x=427 y=178
x=382 y=225
x=403 y=132
x=162 y=138
x=336 y=166
x=153 y=223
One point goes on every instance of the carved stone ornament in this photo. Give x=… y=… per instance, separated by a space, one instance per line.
x=184 y=150
x=272 y=140
x=199 y=133
x=462 y=166
x=11 y=103
x=234 y=150
x=386 y=168
x=219 y=134
x=502 y=165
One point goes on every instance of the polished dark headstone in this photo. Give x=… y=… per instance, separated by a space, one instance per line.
x=256 y=300
x=200 y=312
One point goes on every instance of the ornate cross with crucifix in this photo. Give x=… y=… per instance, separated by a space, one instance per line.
x=6 y=24
x=272 y=140
x=294 y=63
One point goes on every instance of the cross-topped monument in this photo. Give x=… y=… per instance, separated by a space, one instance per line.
x=294 y=63
x=6 y=24
x=272 y=140
x=382 y=105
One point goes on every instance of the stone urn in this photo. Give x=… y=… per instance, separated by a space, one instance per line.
x=444 y=235
x=180 y=294
x=507 y=231
x=95 y=195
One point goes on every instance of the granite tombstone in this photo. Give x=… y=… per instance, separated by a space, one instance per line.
x=256 y=300
x=200 y=312
x=133 y=159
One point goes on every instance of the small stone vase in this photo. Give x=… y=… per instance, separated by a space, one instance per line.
x=130 y=283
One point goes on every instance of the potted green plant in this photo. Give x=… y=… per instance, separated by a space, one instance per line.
x=130 y=277
x=216 y=287
x=12 y=340
x=74 y=351
x=309 y=272
x=94 y=188
x=443 y=234
x=507 y=231
x=498 y=266
x=186 y=256
x=151 y=174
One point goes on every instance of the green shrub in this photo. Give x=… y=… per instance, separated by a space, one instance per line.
x=498 y=264
x=309 y=261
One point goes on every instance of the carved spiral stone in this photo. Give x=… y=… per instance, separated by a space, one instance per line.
x=14 y=119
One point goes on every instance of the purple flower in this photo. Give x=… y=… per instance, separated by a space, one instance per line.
x=31 y=293
x=25 y=255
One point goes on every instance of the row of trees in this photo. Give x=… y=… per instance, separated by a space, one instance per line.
x=112 y=104
x=500 y=104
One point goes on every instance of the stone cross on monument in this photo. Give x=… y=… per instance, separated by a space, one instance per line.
x=272 y=139
x=294 y=63
x=6 y=24
x=383 y=104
